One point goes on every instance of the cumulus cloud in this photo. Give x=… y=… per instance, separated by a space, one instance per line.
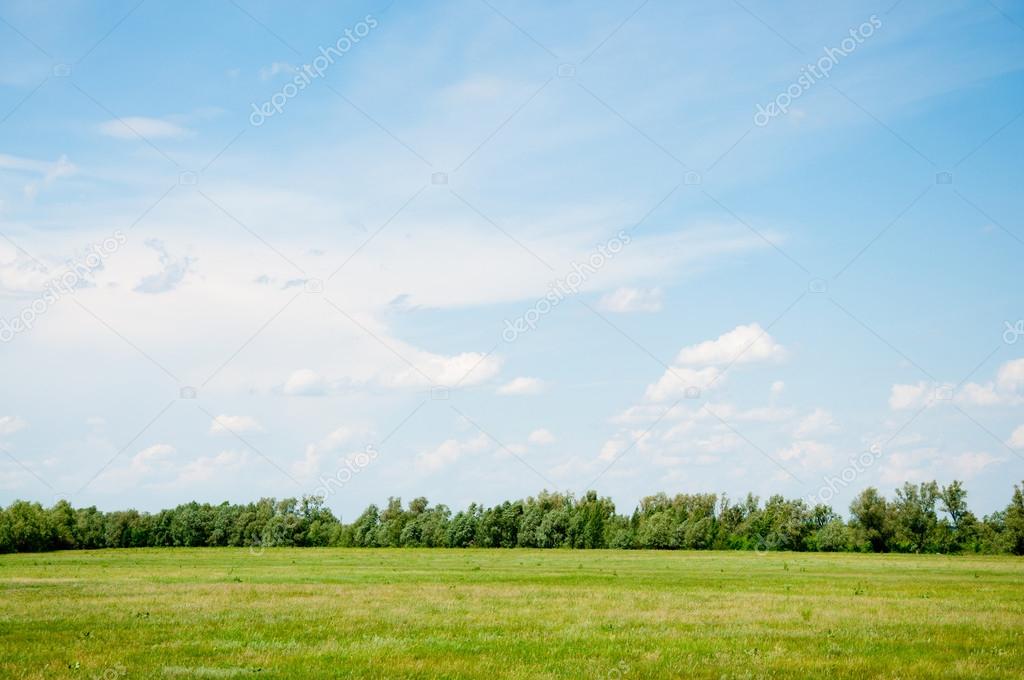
x=1006 y=390
x=541 y=437
x=522 y=385
x=611 y=449
x=818 y=422
x=145 y=458
x=909 y=396
x=223 y=424
x=316 y=452
x=11 y=424
x=427 y=370
x=925 y=463
x=807 y=453
x=697 y=366
x=624 y=300
x=305 y=382
x=172 y=272
x=160 y=467
x=205 y=468
x=132 y=127
x=1017 y=438
x=743 y=344
x=467 y=368
x=676 y=381
x=970 y=464
x=449 y=452
x=154 y=461
x=974 y=394
x=1011 y=376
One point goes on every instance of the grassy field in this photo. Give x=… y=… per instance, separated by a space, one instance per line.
x=289 y=613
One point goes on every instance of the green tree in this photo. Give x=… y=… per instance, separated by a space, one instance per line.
x=914 y=519
x=869 y=518
x=1014 y=521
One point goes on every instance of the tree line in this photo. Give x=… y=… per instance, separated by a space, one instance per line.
x=922 y=518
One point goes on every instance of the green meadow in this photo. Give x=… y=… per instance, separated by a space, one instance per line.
x=477 y=613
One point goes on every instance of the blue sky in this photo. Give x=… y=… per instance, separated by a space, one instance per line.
x=764 y=299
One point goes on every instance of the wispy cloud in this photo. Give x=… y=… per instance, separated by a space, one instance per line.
x=133 y=127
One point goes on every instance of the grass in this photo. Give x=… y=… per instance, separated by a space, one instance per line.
x=290 y=613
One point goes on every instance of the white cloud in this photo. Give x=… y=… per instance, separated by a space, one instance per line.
x=719 y=442
x=512 y=450
x=624 y=300
x=47 y=171
x=909 y=466
x=1005 y=391
x=449 y=452
x=171 y=275
x=611 y=449
x=316 y=452
x=268 y=72
x=149 y=462
x=11 y=424
x=909 y=396
x=1017 y=438
x=808 y=453
x=777 y=387
x=468 y=368
x=224 y=424
x=131 y=127
x=969 y=464
x=541 y=437
x=818 y=422
x=305 y=382
x=974 y=394
x=925 y=463
x=522 y=385
x=146 y=458
x=743 y=344
x=676 y=381
x=1011 y=376
x=205 y=468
